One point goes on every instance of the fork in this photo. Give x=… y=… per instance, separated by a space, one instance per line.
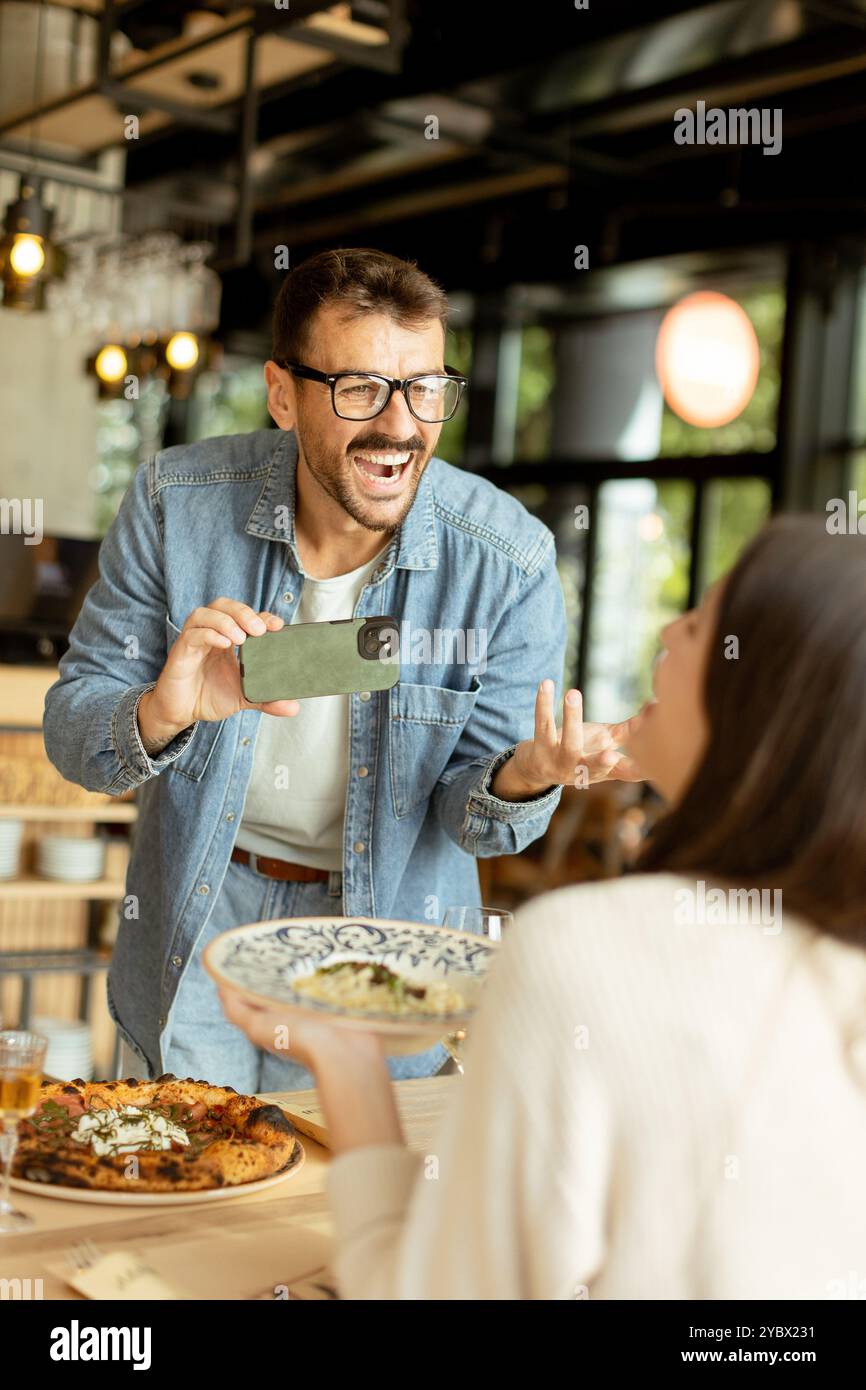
x=82 y=1256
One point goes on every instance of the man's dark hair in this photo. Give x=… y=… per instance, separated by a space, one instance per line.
x=361 y=281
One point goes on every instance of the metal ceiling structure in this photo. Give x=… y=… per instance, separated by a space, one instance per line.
x=310 y=125
x=486 y=144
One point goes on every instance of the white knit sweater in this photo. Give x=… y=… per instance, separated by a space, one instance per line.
x=651 y=1109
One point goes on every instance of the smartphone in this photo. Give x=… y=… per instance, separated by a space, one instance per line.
x=303 y=660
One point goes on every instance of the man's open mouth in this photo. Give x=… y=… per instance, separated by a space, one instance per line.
x=383 y=470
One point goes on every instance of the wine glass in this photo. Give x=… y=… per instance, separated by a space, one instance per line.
x=484 y=921
x=21 y=1058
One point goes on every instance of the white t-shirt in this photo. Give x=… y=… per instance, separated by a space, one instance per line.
x=296 y=798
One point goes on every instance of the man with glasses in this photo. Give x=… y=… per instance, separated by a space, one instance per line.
x=370 y=804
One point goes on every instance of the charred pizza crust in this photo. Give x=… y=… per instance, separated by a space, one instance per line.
x=252 y=1139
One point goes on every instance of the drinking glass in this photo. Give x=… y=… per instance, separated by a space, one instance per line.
x=484 y=921
x=21 y=1057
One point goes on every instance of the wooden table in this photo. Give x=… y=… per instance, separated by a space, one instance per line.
x=242 y=1247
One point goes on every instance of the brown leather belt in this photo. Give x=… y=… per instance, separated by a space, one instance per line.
x=280 y=868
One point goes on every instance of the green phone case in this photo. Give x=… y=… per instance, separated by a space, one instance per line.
x=304 y=660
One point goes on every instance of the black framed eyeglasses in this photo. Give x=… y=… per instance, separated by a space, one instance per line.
x=432 y=398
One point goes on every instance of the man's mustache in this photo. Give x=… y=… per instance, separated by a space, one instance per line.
x=375 y=443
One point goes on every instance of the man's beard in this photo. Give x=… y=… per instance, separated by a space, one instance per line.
x=333 y=472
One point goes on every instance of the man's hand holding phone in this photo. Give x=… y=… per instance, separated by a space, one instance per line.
x=201 y=677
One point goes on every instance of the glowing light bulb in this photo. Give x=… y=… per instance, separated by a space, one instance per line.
x=707 y=359
x=27 y=256
x=181 y=351
x=111 y=363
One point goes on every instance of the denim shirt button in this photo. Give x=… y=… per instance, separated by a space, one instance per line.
x=365 y=695
x=177 y=961
x=230 y=816
x=204 y=889
x=363 y=771
x=287 y=597
x=244 y=742
x=359 y=847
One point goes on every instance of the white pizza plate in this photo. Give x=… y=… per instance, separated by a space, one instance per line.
x=163 y=1199
x=261 y=960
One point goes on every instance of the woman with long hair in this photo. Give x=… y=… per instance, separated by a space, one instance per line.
x=665 y=1088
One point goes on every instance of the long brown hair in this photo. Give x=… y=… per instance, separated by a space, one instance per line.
x=779 y=798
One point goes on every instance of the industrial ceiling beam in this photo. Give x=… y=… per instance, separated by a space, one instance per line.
x=838 y=13
x=755 y=77
x=426 y=201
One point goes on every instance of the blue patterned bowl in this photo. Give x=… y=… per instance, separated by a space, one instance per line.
x=261 y=961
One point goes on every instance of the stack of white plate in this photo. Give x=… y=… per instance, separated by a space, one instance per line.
x=59 y=856
x=70 y=1048
x=11 y=832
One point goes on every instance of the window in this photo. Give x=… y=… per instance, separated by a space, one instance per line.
x=231 y=401
x=640 y=582
x=857 y=474
x=128 y=431
x=534 y=394
x=734 y=510
x=657 y=534
x=458 y=354
x=562 y=509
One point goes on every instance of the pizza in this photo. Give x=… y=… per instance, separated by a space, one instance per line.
x=166 y=1135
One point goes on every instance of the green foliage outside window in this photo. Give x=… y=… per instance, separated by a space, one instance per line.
x=666 y=586
x=127 y=432
x=535 y=393
x=734 y=510
x=458 y=354
x=232 y=401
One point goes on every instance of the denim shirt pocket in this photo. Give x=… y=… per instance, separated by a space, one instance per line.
x=424 y=727
x=193 y=761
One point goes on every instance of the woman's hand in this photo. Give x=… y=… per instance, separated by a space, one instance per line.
x=577 y=755
x=296 y=1038
x=351 y=1072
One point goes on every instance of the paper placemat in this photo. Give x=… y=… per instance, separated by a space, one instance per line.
x=286 y=1261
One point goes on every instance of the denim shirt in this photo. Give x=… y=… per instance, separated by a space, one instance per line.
x=216 y=518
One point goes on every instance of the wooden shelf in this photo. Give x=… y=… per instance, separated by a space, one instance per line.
x=88 y=121
x=82 y=961
x=125 y=811
x=29 y=886
x=22 y=694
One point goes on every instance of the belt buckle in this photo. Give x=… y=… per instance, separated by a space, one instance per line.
x=254 y=864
